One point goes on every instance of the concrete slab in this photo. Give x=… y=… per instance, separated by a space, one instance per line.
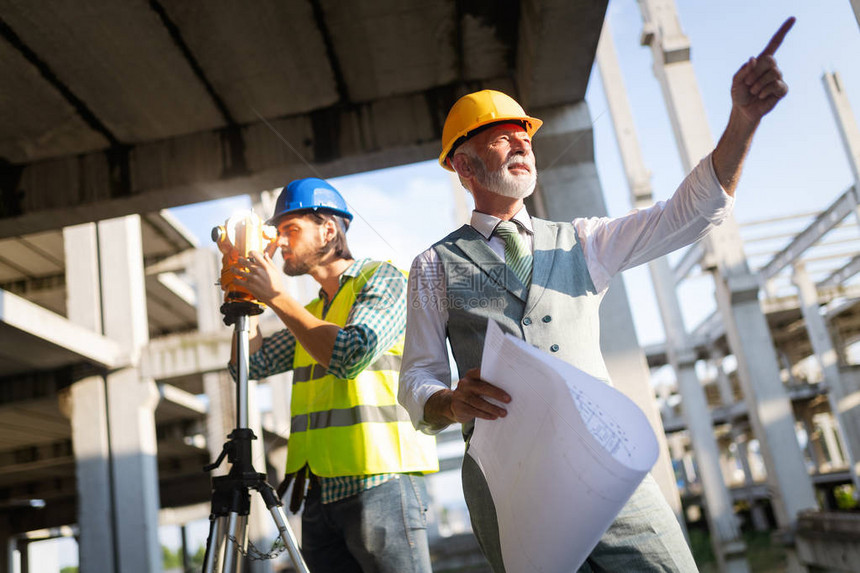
x=38 y=339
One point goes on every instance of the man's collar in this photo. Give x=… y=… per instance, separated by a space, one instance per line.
x=351 y=271
x=486 y=224
x=354 y=269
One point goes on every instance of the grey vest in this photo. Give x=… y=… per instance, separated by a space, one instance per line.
x=558 y=313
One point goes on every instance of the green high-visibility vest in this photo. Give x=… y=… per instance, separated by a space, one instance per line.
x=353 y=427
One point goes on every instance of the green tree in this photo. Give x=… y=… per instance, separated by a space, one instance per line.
x=170 y=559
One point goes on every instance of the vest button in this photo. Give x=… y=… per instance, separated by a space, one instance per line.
x=547 y=318
x=553 y=348
x=527 y=321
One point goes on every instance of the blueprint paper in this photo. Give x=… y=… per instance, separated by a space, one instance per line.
x=563 y=462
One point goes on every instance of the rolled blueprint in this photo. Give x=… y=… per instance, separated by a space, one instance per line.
x=563 y=462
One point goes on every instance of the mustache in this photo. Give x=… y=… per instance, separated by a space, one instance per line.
x=517 y=160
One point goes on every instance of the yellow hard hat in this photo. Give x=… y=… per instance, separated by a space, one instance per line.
x=477 y=110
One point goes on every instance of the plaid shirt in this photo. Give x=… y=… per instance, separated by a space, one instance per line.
x=379 y=314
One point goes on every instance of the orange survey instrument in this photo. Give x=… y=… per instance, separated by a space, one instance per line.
x=237 y=237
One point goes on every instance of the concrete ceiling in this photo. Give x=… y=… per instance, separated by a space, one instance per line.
x=134 y=106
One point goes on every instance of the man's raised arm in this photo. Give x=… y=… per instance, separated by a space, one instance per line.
x=756 y=89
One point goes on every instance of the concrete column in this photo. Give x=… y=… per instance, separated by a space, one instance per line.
x=848 y=128
x=828 y=360
x=757 y=513
x=725 y=462
x=88 y=409
x=729 y=547
x=689 y=469
x=785 y=364
x=768 y=405
x=569 y=188
x=677 y=447
x=747 y=331
x=727 y=394
x=830 y=433
x=221 y=416
x=725 y=534
x=814 y=448
x=131 y=399
x=677 y=451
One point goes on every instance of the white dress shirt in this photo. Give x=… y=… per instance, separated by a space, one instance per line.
x=610 y=245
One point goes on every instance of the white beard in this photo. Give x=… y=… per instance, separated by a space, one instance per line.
x=503 y=182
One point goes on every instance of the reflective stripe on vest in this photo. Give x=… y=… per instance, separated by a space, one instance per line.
x=353 y=427
x=348 y=417
x=317 y=371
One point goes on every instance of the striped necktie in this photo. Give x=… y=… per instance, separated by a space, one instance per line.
x=517 y=254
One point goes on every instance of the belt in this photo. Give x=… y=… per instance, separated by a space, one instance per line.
x=302 y=478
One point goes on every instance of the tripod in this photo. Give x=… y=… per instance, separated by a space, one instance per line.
x=231 y=499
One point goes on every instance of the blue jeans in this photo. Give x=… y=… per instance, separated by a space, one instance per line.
x=645 y=535
x=382 y=529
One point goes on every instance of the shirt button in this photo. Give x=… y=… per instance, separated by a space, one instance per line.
x=554 y=348
x=527 y=321
x=547 y=318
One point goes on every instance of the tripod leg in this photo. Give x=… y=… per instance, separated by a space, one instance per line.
x=284 y=531
x=288 y=538
x=214 y=543
x=242 y=539
x=230 y=553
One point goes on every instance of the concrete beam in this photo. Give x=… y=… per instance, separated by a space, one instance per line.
x=693 y=256
x=67 y=337
x=546 y=28
x=823 y=224
x=177 y=404
x=34 y=458
x=179 y=355
x=191 y=168
x=840 y=276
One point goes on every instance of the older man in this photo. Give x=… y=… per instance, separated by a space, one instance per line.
x=543 y=282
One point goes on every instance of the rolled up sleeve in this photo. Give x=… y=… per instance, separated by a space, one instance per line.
x=375 y=323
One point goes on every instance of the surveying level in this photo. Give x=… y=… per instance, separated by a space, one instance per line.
x=228 y=541
x=237 y=237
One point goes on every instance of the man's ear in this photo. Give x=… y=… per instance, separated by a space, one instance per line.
x=462 y=164
x=328 y=230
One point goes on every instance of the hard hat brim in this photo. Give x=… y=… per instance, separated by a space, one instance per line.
x=530 y=124
x=275 y=219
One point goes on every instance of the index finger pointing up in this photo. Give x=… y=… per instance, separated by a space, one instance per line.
x=777 y=39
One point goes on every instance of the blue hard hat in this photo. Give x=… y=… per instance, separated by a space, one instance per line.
x=310 y=194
